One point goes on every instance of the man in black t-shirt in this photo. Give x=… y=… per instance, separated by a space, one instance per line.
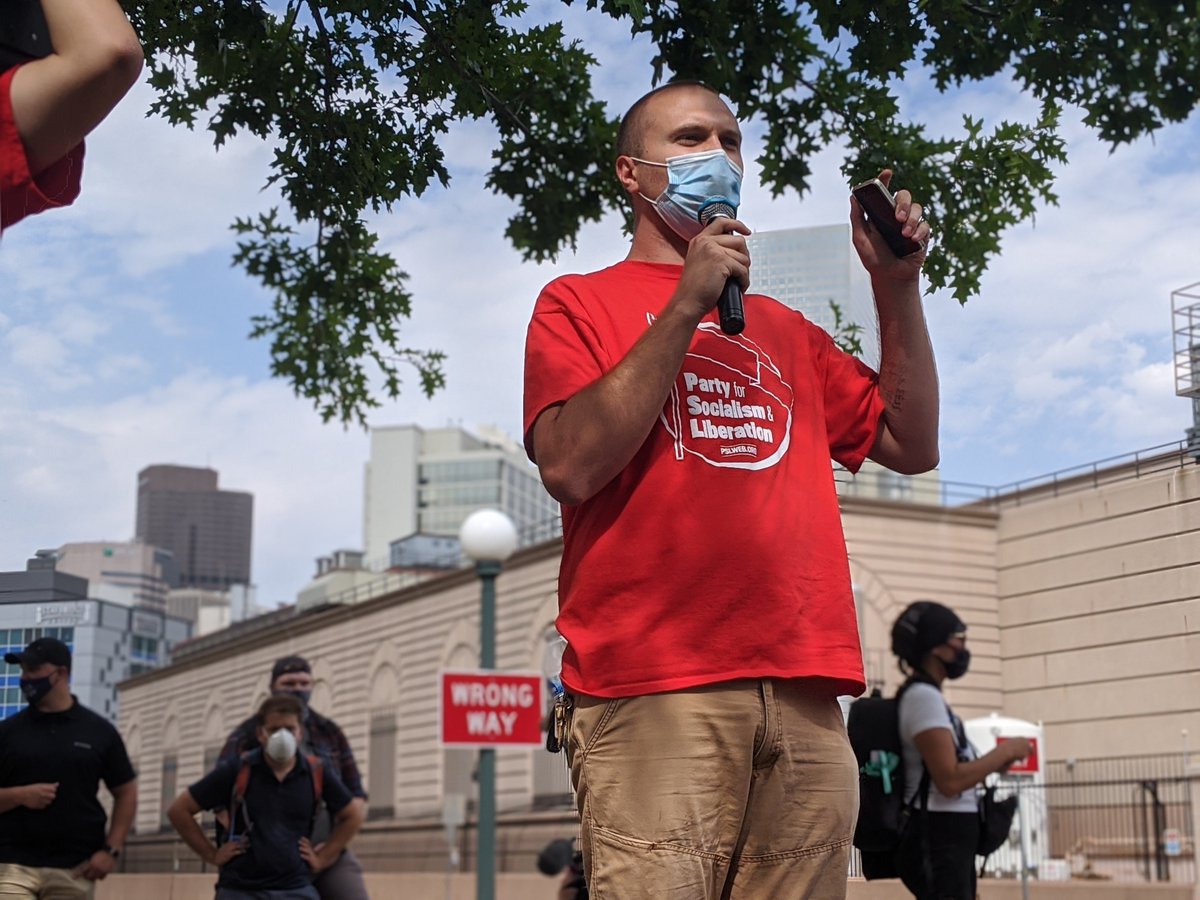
x=272 y=807
x=293 y=675
x=53 y=755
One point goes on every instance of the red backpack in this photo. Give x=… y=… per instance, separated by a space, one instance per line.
x=316 y=769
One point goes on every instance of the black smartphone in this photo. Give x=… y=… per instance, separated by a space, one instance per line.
x=880 y=206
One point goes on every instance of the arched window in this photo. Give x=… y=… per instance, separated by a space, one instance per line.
x=381 y=746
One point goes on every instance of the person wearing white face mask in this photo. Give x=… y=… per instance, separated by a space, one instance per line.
x=704 y=590
x=273 y=795
x=293 y=675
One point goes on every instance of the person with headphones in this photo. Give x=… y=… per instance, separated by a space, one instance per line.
x=941 y=768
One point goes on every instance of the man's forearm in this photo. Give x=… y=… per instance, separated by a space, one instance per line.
x=193 y=835
x=11 y=798
x=907 y=380
x=58 y=100
x=124 y=809
x=587 y=441
x=345 y=827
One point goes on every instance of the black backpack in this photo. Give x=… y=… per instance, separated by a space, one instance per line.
x=874 y=730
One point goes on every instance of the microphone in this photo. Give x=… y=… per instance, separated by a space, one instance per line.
x=730 y=308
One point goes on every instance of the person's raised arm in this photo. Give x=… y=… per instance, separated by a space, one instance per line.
x=583 y=443
x=58 y=100
x=908 y=437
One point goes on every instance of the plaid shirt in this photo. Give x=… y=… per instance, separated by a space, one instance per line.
x=321 y=736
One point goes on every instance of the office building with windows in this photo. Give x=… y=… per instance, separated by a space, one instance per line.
x=109 y=642
x=206 y=529
x=427 y=481
x=807 y=269
x=127 y=572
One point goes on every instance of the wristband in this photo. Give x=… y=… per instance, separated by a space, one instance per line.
x=112 y=851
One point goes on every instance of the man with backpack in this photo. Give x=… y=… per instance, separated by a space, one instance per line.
x=272 y=795
x=292 y=675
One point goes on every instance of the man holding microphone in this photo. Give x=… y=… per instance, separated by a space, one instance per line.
x=704 y=590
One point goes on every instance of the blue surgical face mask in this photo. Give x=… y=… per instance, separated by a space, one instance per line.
x=693 y=181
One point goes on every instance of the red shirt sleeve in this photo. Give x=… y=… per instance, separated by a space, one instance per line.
x=21 y=194
x=563 y=354
x=853 y=406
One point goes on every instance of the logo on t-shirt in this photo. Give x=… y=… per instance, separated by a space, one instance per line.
x=729 y=406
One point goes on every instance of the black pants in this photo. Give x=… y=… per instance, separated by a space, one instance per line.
x=952 y=840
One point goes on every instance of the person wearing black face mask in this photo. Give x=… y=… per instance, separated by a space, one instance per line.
x=937 y=854
x=53 y=755
x=292 y=675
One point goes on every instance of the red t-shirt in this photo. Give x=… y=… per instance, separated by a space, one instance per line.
x=718 y=552
x=21 y=194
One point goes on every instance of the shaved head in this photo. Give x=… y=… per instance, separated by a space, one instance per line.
x=631 y=134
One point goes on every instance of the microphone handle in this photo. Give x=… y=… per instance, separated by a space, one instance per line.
x=730 y=308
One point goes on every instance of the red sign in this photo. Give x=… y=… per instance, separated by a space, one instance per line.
x=1030 y=765
x=486 y=708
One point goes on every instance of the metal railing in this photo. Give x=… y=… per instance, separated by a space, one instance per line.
x=1110 y=470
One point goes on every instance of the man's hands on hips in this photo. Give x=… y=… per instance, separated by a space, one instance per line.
x=877 y=257
x=715 y=255
x=318 y=861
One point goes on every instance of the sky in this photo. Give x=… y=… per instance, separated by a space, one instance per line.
x=123 y=327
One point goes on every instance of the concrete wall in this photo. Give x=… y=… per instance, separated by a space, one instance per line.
x=1083 y=607
x=1099 y=602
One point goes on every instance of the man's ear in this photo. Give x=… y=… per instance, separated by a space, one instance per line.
x=627 y=174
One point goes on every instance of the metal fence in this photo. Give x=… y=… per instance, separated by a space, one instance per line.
x=1124 y=819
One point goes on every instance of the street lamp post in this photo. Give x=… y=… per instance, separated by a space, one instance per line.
x=488 y=538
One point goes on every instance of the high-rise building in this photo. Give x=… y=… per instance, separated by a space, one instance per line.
x=181 y=509
x=807 y=268
x=109 y=642
x=130 y=573
x=421 y=481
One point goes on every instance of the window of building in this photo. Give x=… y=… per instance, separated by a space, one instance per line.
x=381 y=766
x=170 y=773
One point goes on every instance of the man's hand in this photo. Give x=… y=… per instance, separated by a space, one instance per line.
x=229 y=850
x=98 y=866
x=715 y=255
x=314 y=856
x=39 y=796
x=877 y=257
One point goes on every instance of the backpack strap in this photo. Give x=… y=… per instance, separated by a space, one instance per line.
x=238 y=797
x=316 y=770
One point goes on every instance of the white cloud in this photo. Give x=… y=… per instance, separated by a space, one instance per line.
x=72 y=470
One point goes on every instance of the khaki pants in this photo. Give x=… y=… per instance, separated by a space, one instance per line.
x=29 y=883
x=746 y=789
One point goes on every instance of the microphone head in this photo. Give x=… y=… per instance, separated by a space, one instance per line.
x=556 y=856
x=717 y=208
